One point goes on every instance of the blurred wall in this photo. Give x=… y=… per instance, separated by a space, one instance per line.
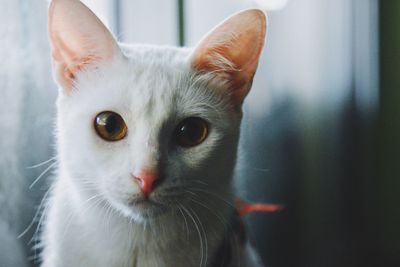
x=26 y=128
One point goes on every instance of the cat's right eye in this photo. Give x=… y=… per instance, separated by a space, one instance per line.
x=110 y=126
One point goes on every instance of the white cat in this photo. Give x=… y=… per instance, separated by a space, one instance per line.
x=147 y=141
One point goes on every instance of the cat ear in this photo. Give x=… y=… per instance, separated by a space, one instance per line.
x=231 y=51
x=78 y=40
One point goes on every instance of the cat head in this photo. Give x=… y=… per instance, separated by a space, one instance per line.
x=146 y=127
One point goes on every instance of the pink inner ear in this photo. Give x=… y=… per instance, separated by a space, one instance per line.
x=78 y=39
x=70 y=59
x=232 y=50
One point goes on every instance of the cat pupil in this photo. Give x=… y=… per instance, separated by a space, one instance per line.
x=111 y=124
x=191 y=132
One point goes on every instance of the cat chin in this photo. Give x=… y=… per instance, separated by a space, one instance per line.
x=142 y=216
x=142 y=211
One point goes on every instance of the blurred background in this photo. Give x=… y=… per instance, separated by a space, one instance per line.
x=321 y=133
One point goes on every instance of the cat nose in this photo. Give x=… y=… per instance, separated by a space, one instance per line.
x=146 y=181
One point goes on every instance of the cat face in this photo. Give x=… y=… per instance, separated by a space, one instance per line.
x=153 y=99
x=149 y=128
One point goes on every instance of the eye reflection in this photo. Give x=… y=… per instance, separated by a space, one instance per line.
x=191 y=132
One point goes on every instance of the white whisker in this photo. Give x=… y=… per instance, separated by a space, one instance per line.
x=42 y=163
x=214 y=195
x=42 y=174
x=198 y=232
x=205 y=235
x=36 y=215
x=219 y=216
x=186 y=223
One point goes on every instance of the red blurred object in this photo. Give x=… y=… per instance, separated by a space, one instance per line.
x=245 y=208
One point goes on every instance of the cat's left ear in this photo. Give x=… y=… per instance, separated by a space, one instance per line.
x=78 y=39
x=231 y=51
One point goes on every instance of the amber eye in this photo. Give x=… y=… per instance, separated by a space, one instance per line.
x=191 y=132
x=110 y=126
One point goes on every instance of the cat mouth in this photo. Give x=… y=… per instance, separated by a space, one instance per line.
x=148 y=208
x=154 y=205
x=145 y=203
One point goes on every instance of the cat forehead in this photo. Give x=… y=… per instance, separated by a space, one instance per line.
x=148 y=81
x=155 y=55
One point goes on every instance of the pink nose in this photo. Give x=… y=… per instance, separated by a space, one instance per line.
x=146 y=181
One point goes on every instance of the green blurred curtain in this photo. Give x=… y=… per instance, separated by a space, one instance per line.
x=387 y=209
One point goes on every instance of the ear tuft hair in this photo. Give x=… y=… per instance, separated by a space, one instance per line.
x=231 y=51
x=78 y=40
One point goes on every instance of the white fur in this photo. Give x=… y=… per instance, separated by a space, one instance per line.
x=89 y=222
